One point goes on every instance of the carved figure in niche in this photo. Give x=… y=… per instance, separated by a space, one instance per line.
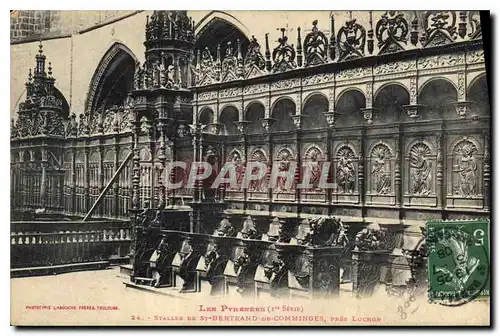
x=238 y=167
x=138 y=76
x=284 y=166
x=466 y=168
x=313 y=157
x=345 y=171
x=170 y=74
x=381 y=174
x=420 y=170
x=163 y=73
x=260 y=184
x=156 y=73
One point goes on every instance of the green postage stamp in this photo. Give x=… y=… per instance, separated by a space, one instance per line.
x=458 y=261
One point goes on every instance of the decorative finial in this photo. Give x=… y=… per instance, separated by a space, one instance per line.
x=50 y=68
x=40 y=47
x=30 y=76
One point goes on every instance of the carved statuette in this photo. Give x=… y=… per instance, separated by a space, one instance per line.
x=370 y=238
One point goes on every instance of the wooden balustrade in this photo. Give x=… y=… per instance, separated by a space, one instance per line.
x=33 y=246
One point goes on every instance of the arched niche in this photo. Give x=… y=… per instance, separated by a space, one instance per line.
x=478 y=93
x=314 y=108
x=438 y=95
x=228 y=117
x=206 y=118
x=219 y=28
x=112 y=80
x=349 y=104
x=389 y=101
x=282 y=112
x=254 y=114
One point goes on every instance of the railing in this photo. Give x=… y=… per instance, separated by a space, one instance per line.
x=68 y=243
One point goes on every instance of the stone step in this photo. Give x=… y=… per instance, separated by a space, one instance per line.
x=57 y=269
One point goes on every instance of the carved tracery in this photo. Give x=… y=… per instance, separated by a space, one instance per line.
x=254 y=63
x=391 y=32
x=440 y=28
x=351 y=40
x=315 y=47
x=283 y=55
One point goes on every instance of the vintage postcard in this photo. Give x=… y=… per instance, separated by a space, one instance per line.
x=250 y=168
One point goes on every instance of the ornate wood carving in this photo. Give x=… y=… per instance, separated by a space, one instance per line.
x=351 y=40
x=345 y=171
x=465 y=169
x=283 y=55
x=381 y=169
x=421 y=170
x=439 y=28
x=391 y=32
x=254 y=63
x=315 y=47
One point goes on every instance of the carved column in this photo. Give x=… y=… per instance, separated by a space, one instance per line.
x=43 y=179
x=462 y=106
x=439 y=170
x=136 y=170
x=331 y=115
x=73 y=176
x=369 y=111
x=116 y=185
x=242 y=128
x=101 y=209
x=486 y=172
x=152 y=148
x=161 y=173
x=413 y=109
x=361 y=171
x=86 y=192
x=397 y=169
